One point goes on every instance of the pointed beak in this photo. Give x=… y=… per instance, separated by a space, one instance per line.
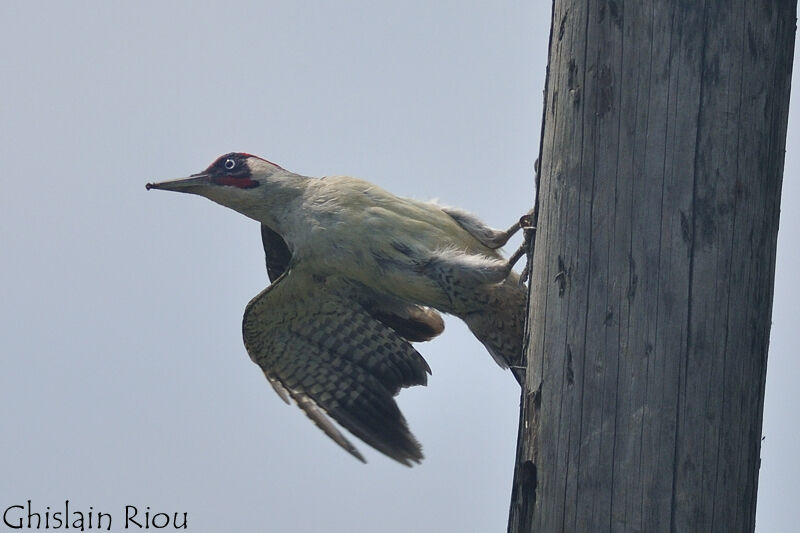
x=189 y=184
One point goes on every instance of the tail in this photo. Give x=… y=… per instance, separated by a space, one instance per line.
x=484 y=292
x=499 y=323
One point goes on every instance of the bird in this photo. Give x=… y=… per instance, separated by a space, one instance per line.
x=356 y=275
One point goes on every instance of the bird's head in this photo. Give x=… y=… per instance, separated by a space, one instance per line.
x=235 y=180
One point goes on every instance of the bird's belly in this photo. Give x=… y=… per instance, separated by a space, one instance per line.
x=390 y=263
x=390 y=248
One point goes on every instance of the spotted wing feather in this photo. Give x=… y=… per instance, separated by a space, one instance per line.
x=335 y=360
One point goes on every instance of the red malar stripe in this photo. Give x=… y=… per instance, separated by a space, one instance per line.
x=242 y=183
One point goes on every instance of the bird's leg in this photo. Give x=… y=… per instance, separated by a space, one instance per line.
x=501 y=237
x=528 y=230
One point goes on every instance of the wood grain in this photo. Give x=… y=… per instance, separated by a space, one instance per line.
x=651 y=294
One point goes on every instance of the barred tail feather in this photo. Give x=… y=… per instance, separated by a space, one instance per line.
x=500 y=324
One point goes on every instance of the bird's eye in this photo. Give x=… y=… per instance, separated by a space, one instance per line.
x=230 y=164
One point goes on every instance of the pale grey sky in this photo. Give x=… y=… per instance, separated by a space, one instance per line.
x=124 y=378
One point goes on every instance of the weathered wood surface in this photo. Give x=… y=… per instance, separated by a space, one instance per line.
x=661 y=167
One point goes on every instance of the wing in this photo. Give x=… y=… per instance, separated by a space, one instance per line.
x=277 y=252
x=318 y=345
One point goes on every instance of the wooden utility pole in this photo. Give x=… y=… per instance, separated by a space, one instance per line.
x=660 y=178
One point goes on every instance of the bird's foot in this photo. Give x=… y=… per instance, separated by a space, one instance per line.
x=501 y=237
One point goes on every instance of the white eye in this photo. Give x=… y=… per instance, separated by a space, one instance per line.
x=230 y=164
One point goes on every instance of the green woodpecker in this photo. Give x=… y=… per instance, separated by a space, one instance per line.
x=357 y=275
